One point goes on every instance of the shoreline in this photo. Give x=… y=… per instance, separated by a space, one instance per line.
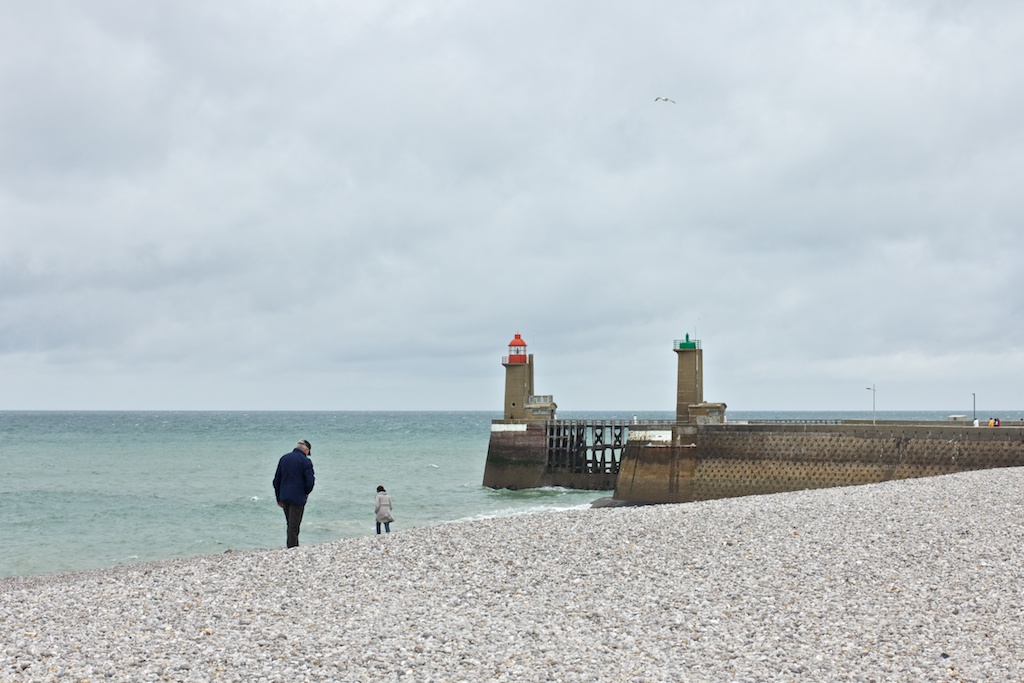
x=917 y=579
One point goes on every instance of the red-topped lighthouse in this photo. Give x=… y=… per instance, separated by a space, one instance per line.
x=520 y=401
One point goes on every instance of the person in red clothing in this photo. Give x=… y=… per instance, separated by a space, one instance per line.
x=293 y=483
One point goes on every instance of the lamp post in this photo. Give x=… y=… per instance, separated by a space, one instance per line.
x=974 y=405
x=872 y=390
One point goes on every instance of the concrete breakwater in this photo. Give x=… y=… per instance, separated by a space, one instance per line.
x=701 y=455
x=682 y=462
x=577 y=454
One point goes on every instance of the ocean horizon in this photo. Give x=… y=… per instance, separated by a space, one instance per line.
x=90 y=489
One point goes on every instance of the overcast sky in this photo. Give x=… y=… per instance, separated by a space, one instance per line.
x=344 y=205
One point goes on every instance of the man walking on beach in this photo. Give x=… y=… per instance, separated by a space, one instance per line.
x=293 y=482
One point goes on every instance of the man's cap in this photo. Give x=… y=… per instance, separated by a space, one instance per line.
x=303 y=442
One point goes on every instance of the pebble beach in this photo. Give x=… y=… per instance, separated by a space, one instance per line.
x=918 y=580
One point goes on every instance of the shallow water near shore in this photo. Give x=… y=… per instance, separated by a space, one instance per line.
x=83 y=490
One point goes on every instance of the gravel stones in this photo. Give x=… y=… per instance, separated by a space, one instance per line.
x=915 y=580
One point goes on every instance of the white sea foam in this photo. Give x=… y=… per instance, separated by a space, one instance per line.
x=519 y=511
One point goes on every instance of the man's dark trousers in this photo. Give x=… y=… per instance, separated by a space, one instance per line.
x=293 y=514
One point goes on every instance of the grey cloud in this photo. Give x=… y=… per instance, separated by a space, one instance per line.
x=373 y=198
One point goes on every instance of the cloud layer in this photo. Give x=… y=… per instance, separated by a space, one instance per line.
x=348 y=205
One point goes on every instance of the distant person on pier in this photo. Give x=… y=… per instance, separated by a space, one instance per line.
x=382 y=509
x=293 y=483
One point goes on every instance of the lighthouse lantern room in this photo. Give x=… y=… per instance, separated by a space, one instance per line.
x=516 y=350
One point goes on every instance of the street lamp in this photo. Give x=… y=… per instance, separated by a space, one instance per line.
x=872 y=390
x=974 y=404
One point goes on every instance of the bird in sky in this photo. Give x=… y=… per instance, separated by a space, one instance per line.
x=664 y=99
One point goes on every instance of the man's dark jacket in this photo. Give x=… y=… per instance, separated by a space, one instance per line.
x=294 y=478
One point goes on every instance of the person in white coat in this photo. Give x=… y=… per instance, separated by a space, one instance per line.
x=382 y=507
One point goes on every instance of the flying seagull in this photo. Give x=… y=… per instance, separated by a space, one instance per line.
x=664 y=99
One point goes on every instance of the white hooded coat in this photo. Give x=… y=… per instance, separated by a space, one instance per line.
x=382 y=506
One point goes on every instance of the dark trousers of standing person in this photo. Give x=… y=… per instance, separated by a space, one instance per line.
x=293 y=515
x=387 y=527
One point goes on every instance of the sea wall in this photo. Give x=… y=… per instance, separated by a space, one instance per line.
x=572 y=454
x=683 y=463
x=516 y=455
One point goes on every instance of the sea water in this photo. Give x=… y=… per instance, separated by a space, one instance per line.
x=82 y=490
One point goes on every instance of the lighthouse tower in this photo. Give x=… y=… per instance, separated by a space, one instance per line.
x=690 y=378
x=520 y=401
x=690 y=405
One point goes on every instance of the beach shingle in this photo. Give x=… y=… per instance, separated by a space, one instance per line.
x=913 y=580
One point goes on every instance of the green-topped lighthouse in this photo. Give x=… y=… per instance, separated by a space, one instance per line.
x=690 y=405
